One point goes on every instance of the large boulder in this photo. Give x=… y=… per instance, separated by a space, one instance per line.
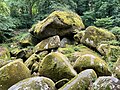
x=12 y=73
x=4 y=53
x=56 y=66
x=93 y=36
x=106 y=83
x=89 y=61
x=116 y=68
x=51 y=42
x=82 y=81
x=60 y=23
x=34 y=83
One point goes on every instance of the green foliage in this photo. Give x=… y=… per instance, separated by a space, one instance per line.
x=6 y=25
x=88 y=18
x=4 y=9
x=104 y=22
x=116 y=32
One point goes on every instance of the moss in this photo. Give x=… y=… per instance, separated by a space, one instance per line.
x=34 y=83
x=12 y=73
x=56 y=66
x=116 y=68
x=72 y=52
x=4 y=53
x=89 y=61
x=68 y=18
x=81 y=81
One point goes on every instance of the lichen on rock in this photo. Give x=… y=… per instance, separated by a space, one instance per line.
x=34 y=83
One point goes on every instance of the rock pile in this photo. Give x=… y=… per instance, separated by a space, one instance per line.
x=60 y=54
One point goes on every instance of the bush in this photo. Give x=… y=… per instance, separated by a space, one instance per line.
x=6 y=27
x=116 y=32
x=104 y=22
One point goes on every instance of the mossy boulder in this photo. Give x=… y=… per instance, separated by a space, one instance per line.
x=89 y=61
x=72 y=52
x=94 y=36
x=12 y=73
x=49 y=43
x=81 y=81
x=116 y=68
x=34 y=83
x=106 y=83
x=4 y=53
x=28 y=40
x=60 y=23
x=56 y=66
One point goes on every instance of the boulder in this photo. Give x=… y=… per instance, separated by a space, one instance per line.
x=89 y=61
x=51 y=42
x=12 y=73
x=34 y=83
x=60 y=23
x=4 y=53
x=116 y=68
x=106 y=83
x=28 y=40
x=56 y=66
x=81 y=81
x=94 y=36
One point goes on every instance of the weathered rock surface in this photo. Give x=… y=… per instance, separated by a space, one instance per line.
x=89 y=61
x=56 y=66
x=94 y=36
x=34 y=83
x=81 y=81
x=106 y=83
x=51 y=42
x=4 y=53
x=12 y=73
x=60 y=23
x=116 y=68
